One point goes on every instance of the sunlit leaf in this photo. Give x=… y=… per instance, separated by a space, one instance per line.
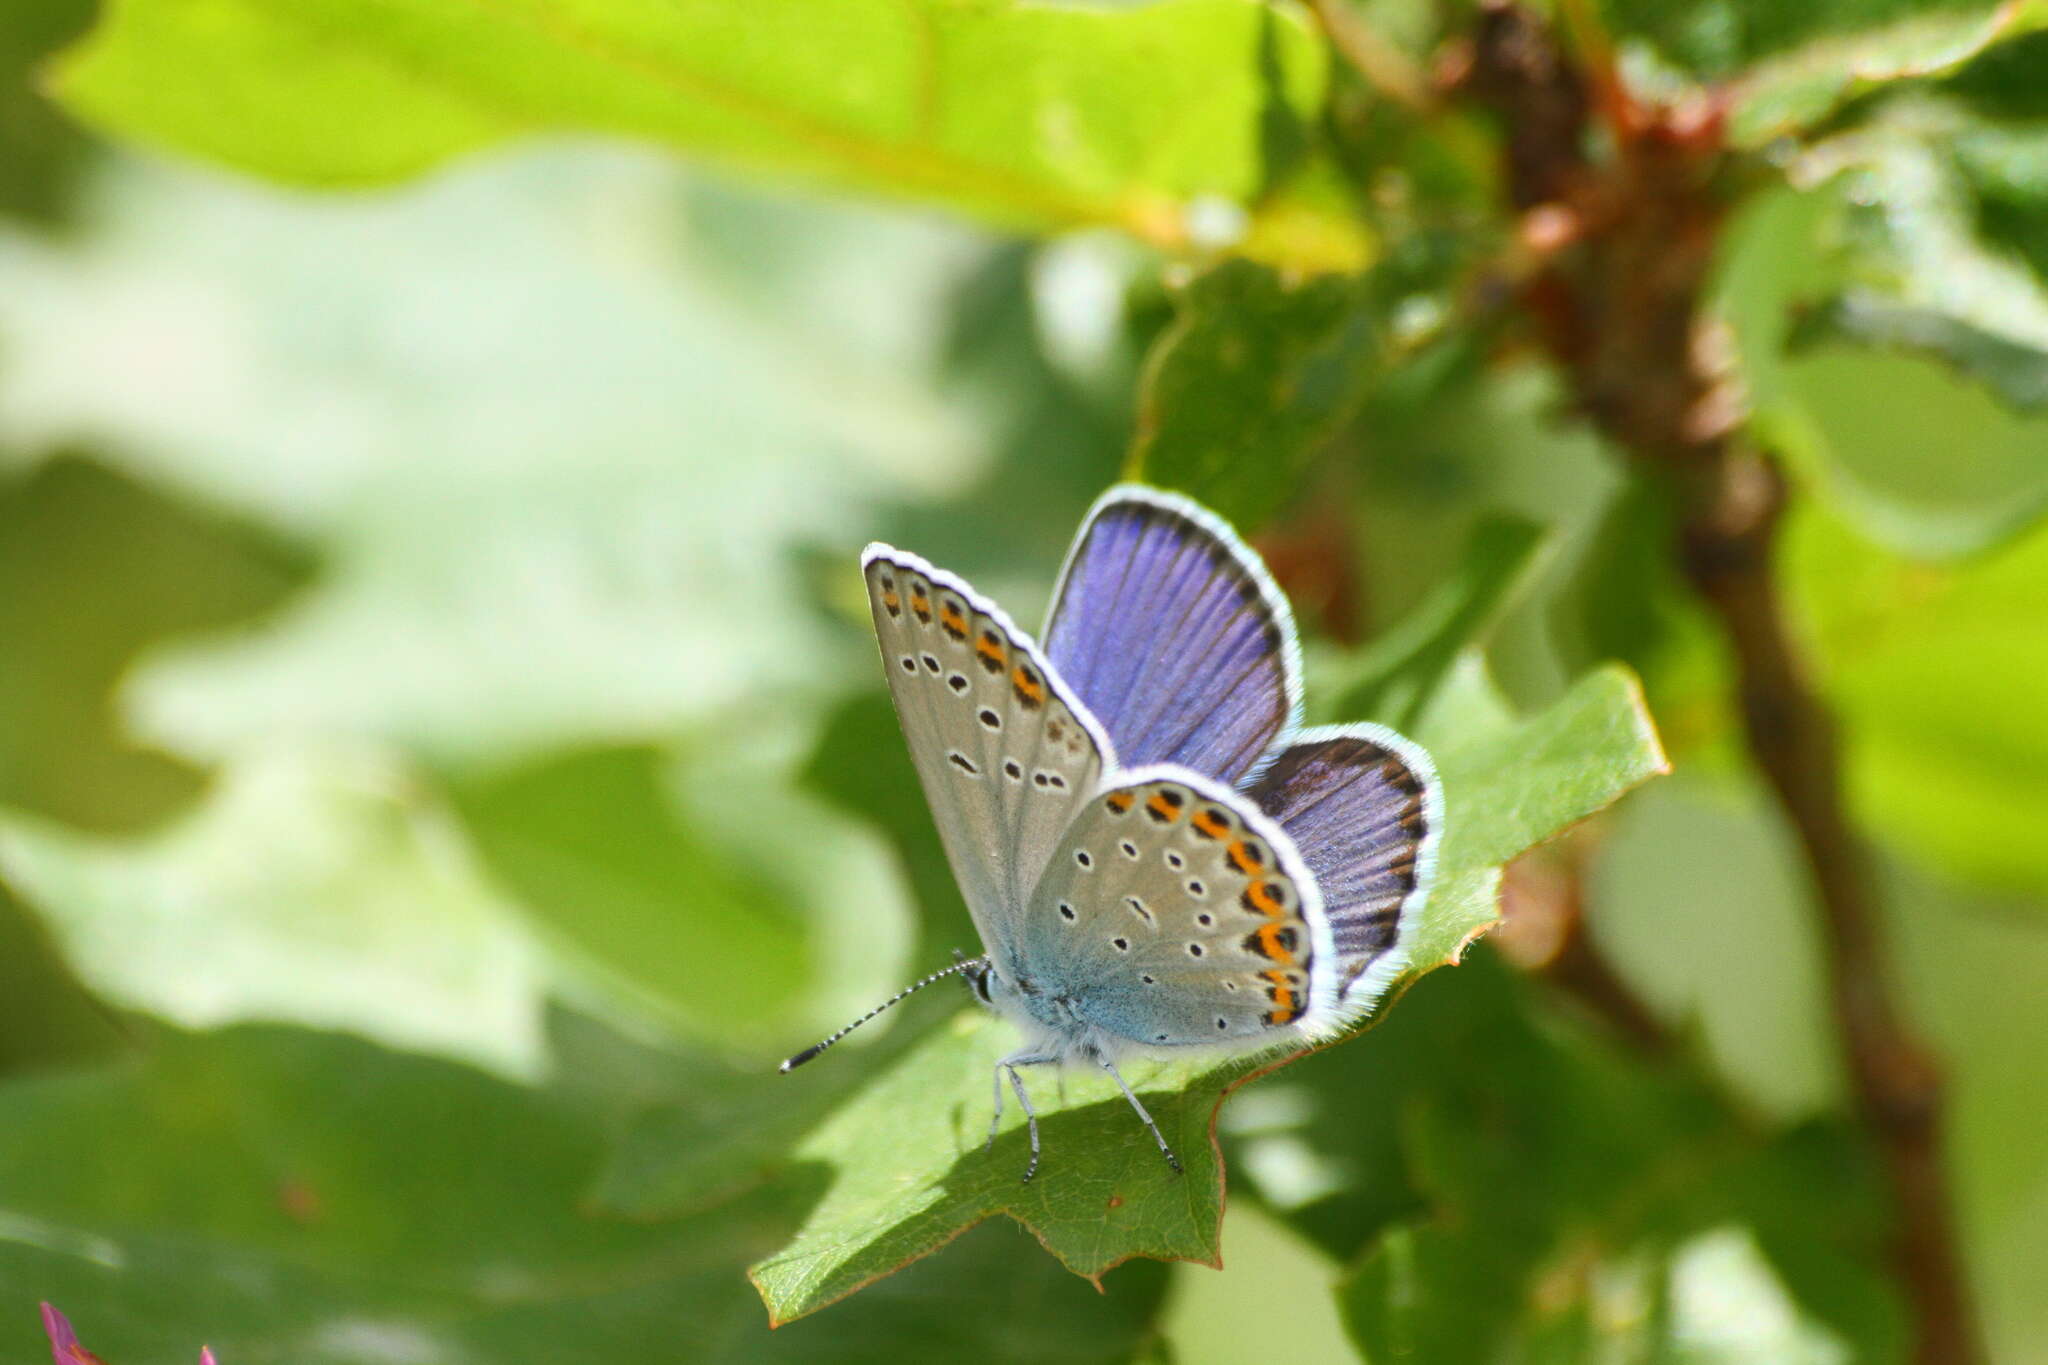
x=1926 y=458
x=314 y=888
x=534 y=447
x=1859 y=47
x=1157 y=119
x=1932 y=668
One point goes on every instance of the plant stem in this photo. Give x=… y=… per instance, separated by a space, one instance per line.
x=1621 y=249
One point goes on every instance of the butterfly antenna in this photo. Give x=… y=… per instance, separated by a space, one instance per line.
x=964 y=964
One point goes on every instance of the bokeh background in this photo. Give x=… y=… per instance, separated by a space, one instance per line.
x=438 y=729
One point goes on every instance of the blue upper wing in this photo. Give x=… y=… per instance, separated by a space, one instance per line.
x=1170 y=630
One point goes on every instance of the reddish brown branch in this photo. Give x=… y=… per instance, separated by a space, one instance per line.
x=1618 y=247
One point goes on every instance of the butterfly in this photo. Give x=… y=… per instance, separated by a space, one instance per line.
x=1160 y=860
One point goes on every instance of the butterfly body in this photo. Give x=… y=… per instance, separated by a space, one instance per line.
x=1158 y=859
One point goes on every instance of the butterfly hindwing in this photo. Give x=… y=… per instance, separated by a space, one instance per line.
x=1175 y=914
x=1170 y=630
x=1005 y=753
x=1365 y=809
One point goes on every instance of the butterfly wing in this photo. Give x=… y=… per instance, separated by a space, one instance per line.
x=1005 y=752
x=1173 y=913
x=1169 y=628
x=1365 y=809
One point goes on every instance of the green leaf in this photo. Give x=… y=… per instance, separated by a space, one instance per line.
x=304 y=1199
x=903 y=1162
x=94 y=571
x=1861 y=47
x=595 y=847
x=2017 y=373
x=1553 y=1196
x=1932 y=669
x=1254 y=374
x=40 y=152
x=533 y=435
x=1393 y=678
x=1156 y=119
x=1923 y=458
x=313 y=888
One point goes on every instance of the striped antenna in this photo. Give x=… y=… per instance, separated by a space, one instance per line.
x=965 y=964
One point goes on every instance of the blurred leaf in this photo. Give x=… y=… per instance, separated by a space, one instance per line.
x=904 y=1162
x=862 y=767
x=303 y=1199
x=2017 y=373
x=1154 y=119
x=39 y=150
x=1922 y=458
x=1933 y=670
x=1850 y=48
x=310 y=888
x=1528 y=1191
x=2005 y=169
x=536 y=448
x=1698 y=895
x=1241 y=391
x=46 y=1017
x=595 y=848
x=1394 y=677
x=93 y=570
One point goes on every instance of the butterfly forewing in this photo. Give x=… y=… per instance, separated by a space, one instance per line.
x=1170 y=630
x=1176 y=914
x=1005 y=753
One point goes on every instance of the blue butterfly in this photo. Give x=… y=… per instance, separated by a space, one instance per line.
x=1159 y=858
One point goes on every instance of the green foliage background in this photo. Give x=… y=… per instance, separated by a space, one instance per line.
x=443 y=766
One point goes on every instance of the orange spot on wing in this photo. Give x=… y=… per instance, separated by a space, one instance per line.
x=1029 y=689
x=1283 y=1011
x=892 y=602
x=1211 y=825
x=922 y=605
x=1261 y=897
x=1270 y=944
x=1162 y=808
x=1241 y=858
x=989 y=650
x=1118 y=801
x=954 y=623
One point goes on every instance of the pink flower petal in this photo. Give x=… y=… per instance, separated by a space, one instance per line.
x=62 y=1338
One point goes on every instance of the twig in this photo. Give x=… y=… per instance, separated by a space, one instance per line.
x=1385 y=67
x=1621 y=252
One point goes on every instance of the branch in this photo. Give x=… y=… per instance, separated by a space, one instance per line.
x=1622 y=248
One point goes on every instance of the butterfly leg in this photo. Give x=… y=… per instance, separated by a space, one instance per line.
x=995 y=1120
x=1008 y=1066
x=1130 y=1095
